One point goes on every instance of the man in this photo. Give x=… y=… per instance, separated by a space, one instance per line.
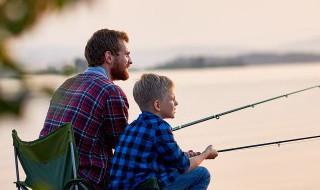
x=96 y=107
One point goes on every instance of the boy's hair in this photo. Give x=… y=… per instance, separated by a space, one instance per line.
x=101 y=41
x=149 y=88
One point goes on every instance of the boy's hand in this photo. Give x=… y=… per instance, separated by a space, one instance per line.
x=210 y=152
x=191 y=153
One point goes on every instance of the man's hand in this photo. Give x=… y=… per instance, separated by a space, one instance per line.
x=210 y=152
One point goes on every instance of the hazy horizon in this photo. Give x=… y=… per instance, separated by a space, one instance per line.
x=155 y=28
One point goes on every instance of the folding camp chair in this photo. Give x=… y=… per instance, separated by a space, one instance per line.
x=50 y=163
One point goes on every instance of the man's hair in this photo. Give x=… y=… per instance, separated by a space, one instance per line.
x=101 y=41
x=149 y=88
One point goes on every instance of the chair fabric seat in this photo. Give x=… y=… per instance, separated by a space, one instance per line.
x=48 y=162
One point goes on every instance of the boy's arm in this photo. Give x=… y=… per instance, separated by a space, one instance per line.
x=191 y=153
x=170 y=152
x=208 y=153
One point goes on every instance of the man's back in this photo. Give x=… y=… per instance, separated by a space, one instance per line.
x=98 y=111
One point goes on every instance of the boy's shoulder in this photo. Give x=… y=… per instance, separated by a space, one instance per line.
x=150 y=120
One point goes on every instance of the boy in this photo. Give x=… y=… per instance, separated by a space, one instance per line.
x=147 y=150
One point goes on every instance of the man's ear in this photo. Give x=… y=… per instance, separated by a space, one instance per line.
x=156 y=105
x=108 y=57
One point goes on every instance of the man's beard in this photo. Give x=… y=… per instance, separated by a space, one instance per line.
x=119 y=73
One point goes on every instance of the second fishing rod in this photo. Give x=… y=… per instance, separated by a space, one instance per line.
x=217 y=116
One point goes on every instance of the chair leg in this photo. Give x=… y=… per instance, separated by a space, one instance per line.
x=17 y=167
x=78 y=183
x=73 y=163
x=83 y=186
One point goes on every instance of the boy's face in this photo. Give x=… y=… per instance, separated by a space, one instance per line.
x=168 y=104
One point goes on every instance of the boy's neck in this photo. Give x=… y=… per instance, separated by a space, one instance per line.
x=153 y=112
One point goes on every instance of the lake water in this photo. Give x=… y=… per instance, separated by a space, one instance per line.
x=204 y=92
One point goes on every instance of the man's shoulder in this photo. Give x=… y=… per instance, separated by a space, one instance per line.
x=100 y=82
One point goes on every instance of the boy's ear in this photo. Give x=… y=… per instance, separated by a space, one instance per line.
x=156 y=105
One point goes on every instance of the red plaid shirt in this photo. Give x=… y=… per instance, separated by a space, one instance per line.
x=98 y=111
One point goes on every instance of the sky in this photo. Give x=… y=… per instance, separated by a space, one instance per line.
x=161 y=30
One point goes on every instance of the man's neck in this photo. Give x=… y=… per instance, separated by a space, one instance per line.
x=107 y=70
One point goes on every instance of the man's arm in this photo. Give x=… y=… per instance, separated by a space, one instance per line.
x=116 y=118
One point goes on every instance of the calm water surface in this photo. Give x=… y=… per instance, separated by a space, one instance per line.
x=204 y=92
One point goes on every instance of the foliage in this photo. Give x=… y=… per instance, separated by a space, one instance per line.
x=68 y=70
x=17 y=17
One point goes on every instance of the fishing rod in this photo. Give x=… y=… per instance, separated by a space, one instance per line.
x=269 y=143
x=217 y=116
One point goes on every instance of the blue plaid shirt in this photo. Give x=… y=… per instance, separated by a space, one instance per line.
x=147 y=149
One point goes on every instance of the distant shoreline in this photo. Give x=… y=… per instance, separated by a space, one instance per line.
x=238 y=61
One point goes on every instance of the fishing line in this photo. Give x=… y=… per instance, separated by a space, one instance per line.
x=271 y=143
x=217 y=116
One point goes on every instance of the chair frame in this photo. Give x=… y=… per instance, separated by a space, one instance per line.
x=74 y=182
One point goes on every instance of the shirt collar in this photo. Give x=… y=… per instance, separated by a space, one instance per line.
x=97 y=70
x=149 y=114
